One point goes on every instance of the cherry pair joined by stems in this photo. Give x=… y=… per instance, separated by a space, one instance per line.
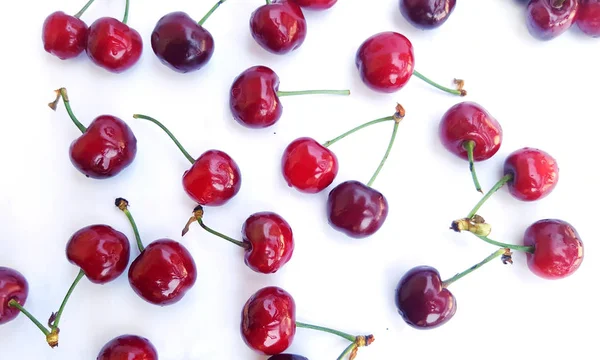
x=547 y=19
x=268 y=240
x=316 y=4
x=386 y=62
x=164 y=271
x=279 y=26
x=254 y=97
x=181 y=43
x=427 y=14
x=214 y=177
x=65 y=36
x=107 y=146
x=130 y=347
x=268 y=324
x=588 y=17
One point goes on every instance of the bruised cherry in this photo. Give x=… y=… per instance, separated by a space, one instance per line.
x=316 y=4
x=547 y=19
x=279 y=26
x=308 y=166
x=427 y=14
x=13 y=287
x=128 y=347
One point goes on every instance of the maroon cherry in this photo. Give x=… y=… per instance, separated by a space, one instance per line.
x=471 y=133
x=279 y=26
x=65 y=36
x=308 y=166
x=14 y=290
x=588 y=17
x=128 y=347
x=316 y=4
x=547 y=19
x=287 y=357
x=254 y=97
x=427 y=14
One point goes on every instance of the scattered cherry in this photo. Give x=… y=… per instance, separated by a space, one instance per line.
x=65 y=36
x=316 y=4
x=534 y=174
x=13 y=287
x=128 y=347
x=588 y=17
x=254 y=97
x=547 y=19
x=308 y=166
x=279 y=26
x=427 y=14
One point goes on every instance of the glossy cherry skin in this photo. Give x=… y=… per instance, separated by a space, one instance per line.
x=546 y=22
x=213 y=180
x=64 y=36
x=114 y=46
x=427 y=14
x=535 y=174
x=356 y=210
x=422 y=300
x=308 y=166
x=181 y=44
x=588 y=17
x=278 y=27
x=558 y=249
x=287 y=357
x=269 y=321
x=128 y=347
x=386 y=62
x=163 y=273
x=253 y=98
x=13 y=286
x=271 y=242
x=469 y=121
x=105 y=149
x=316 y=5
x=100 y=251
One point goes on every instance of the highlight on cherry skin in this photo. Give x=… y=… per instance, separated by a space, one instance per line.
x=129 y=347
x=65 y=36
x=547 y=19
x=254 y=97
x=427 y=14
x=315 y=4
x=588 y=17
x=279 y=26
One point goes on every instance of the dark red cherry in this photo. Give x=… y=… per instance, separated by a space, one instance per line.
x=287 y=357
x=427 y=14
x=163 y=273
x=100 y=251
x=558 y=249
x=547 y=19
x=588 y=17
x=308 y=166
x=268 y=321
x=316 y=4
x=271 y=242
x=422 y=300
x=13 y=286
x=128 y=347
x=534 y=174
x=64 y=36
x=253 y=98
x=113 y=45
x=279 y=26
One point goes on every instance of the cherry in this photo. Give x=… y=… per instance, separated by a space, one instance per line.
x=13 y=288
x=181 y=43
x=386 y=62
x=316 y=4
x=65 y=36
x=279 y=26
x=163 y=272
x=214 y=177
x=470 y=132
x=107 y=146
x=128 y=347
x=427 y=14
x=113 y=45
x=588 y=17
x=254 y=97
x=287 y=357
x=547 y=19
x=308 y=166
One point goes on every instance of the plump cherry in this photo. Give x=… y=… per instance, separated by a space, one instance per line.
x=254 y=97
x=308 y=166
x=287 y=357
x=64 y=36
x=279 y=26
x=128 y=347
x=13 y=287
x=107 y=146
x=534 y=174
x=316 y=4
x=547 y=19
x=427 y=14
x=588 y=17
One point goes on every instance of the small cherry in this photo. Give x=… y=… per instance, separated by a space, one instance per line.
x=279 y=26
x=386 y=62
x=287 y=357
x=164 y=271
x=268 y=240
x=107 y=146
x=214 y=177
x=471 y=133
x=254 y=97
x=181 y=43
x=128 y=347
x=113 y=45
x=14 y=290
x=65 y=36
x=588 y=17
x=547 y=19
x=427 y=14
x=316 y=4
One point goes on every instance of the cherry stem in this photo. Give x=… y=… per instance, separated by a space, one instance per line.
x=499 y=184
x=470 y=146
x=347 y=351
x=62 y=93
x=84 y=8
x=313 y=92
x=557 y=4
x=198 y=214
x=377 y=121
x=458 y=276
x=126 y=15
x=268 y=2
x=58 y=315
x=387 y=152
x=529 y=249
x=458 y=91
x=123 y=205
x=185 y=153
x=210 y=12
x=16 y=305
x=327 y=330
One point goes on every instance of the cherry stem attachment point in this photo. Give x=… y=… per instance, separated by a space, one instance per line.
x=62 y=93
x=16 y=305
x=523 y=248
x=84 y=8
x=460 y=83
x=469 y=146
x=397 y=118
x=360 y=127
x=198 y=214
x=210 y=12
x=126 y=15
x=504 y=252
x=313 y=92
x=557 y=4
x=164 y=128
x=505 y=179
x=123 y=205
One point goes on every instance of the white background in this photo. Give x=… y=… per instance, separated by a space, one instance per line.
x=545 y=95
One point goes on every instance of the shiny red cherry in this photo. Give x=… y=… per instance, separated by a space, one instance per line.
x=64 y=36
x=534 y=174
x=279 y=26
x=316 y=4
x=427 y=14
x=113 y=45
x=253 y=98
x=547 y=19
x=128 y=347
x=588 y=17
x=100 y=251
x=558 y=249
x=287 y=357
x=13 y=286
x=268 y=321
x=271 y=242
x=308 y=166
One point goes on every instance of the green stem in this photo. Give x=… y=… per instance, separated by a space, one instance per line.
x=529 y=249
x=84 y=8
x=126 y=15
x=327 y=330
x=123 y=205
x=222 y=236
x=210 y=12
x=387 y=154
x=268 y=2
x=313 y=92
x=66 y=299
x=499 y=184
x=16 y=305
x=469 y=146
x=62 y=93
x=185 y=153
x=347 y=351
x=458 y=276
x=377 y=121
x=434 y=84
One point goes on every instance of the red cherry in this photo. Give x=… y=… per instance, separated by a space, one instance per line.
x=113 y=45
x=64 y=36
x=427 y=14
x=588 y=17
x=308 y=166
x=316 y=4
x=547 y=19
x=279 y=26
x=534 y=174
x=13 y=286
x=128 y=347
x=271 y=242
x=558 y=249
